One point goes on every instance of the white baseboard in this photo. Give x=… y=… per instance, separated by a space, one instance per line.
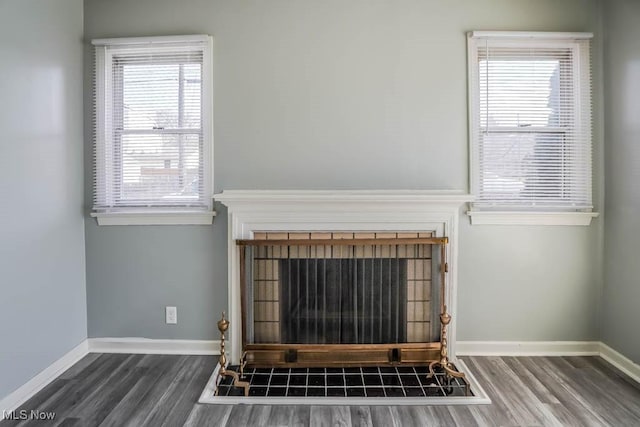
x=25 y=392
x=528 y=348
x=626 y=365
x=153 y=346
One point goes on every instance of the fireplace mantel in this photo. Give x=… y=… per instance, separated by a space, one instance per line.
x=339 y=210
x=263 y=199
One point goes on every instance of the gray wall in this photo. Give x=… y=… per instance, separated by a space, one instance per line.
x=42 y=257
x=621 y=316
x=334 y=95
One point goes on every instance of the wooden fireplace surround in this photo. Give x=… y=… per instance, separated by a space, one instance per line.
x=341 y=355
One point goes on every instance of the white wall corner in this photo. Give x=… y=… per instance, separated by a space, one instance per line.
x=623 y=363
x=34 y=385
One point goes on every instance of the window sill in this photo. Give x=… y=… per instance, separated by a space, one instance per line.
x=530 y=218
x=154 y=218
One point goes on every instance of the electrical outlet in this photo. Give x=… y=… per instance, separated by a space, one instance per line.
x=171 y=314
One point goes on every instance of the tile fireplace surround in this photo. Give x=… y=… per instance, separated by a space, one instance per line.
x=252 y=211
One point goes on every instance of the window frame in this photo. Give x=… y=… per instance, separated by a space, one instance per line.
x=514 y=213
x=140 y=214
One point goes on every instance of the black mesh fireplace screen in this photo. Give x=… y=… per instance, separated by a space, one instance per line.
x=343 y=301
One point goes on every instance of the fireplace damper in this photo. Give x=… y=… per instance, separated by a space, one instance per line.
x=311 y=299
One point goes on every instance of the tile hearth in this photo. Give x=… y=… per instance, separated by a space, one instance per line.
x=386 y=381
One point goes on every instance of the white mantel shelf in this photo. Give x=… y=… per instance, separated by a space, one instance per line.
x=234 y=198
x=250 y=211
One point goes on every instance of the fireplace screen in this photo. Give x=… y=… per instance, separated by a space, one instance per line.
x=340 y=288
x=343 y=301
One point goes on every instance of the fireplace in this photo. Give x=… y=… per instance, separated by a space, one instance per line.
x=288 y=329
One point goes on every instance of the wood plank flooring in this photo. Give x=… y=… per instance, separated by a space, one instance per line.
x=160 y=390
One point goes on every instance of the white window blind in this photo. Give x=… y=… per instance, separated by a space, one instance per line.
x=153 y=139
x=530 y=118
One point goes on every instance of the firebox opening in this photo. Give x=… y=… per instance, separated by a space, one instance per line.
x=343 y=301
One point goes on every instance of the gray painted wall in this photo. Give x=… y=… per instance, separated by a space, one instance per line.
x=42 y=257
x=335 y=95
x=621 y=316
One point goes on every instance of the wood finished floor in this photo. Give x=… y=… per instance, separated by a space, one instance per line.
x=155 y=390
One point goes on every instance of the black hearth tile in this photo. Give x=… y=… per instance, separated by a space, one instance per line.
x=446 y=382
x=353 y=380
x=296 y=391
x=260 y=379
x=298 y=380
x=246 y=378
x=316 y=391
x=375 y=391
x=335 y=392
x=391 y=380
x=371 y=380
x=433 y=391
x=413 y=391
x=235 y=368
x=257 y=391
x=442 y=380
x=226 y=380
x=277 y=391
x=223 y=390
x=426 y=381
x=410 y=381
x=236 y=391
x=335 y=380
x=279 y=380
x=454 y=391
x=355 y=391
x=438 y=370
x=460 y=382
x=394 y=391
x=316 y=381
x=421 y=369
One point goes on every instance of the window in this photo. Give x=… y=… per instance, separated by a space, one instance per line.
x=530 y=118
x=153 y=136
